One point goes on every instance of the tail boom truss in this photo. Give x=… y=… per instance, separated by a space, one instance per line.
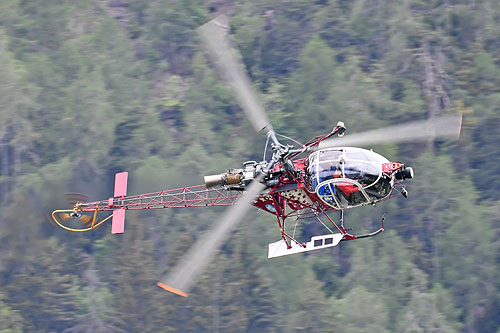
x=192 y=196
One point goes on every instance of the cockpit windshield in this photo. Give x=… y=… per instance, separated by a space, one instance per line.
x=347 y=177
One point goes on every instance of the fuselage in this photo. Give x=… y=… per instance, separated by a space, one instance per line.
x=335 y=178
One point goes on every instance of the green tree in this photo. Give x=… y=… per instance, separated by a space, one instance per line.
x=422 y=313
x=484 y=159
x=170 y=32
x=134 y=288
x=291 y=24
x=197 y=312
x=471 y=281
x=309 y=86
x=17 y=106
x=49 y=25
x=96 y=312
x=46 y=279
x=313 y=313
x=332 y=22
x=429 y=216
x=361 y=311
x=258 y=300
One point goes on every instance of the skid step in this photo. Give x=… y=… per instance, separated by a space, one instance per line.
x=279 y=248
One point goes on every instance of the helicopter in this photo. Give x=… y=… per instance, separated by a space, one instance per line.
x=329 y=173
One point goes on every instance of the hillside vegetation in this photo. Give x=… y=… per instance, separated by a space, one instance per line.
x=92 y=87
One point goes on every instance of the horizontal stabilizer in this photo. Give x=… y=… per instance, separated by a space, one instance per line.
x=280 y=248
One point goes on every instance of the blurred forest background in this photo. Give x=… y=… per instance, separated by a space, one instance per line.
x=92 y=87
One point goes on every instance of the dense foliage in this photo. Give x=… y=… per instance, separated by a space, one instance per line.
x=89 y=87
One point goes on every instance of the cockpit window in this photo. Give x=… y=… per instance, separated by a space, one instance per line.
x=358 y=154
x=324 y=171
x=364 y=172
x=329 y=155
x=347 y=177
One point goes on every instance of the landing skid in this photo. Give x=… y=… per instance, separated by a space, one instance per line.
x=283 y=248
x=371 y=234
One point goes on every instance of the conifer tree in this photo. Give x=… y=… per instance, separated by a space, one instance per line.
x=313 y=312
x=422 y=312
x=361 y=310
x=134 y=286
x=382 y=267
x=43 y=289
x=96 y=309
x=242 y=297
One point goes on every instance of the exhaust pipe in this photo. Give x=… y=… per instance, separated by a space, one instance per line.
x=213 y=180
x=222 y=179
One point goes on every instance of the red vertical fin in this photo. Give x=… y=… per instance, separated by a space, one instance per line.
x=121 y=184
x=118 y=222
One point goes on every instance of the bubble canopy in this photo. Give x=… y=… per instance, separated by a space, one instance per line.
x=347 y=177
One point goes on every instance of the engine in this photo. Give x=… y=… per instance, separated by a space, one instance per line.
x=236 y=179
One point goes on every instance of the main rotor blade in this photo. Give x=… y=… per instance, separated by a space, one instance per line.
x=442 y=127
x=228 y=62
x=185 y=273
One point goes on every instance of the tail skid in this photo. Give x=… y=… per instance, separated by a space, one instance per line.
x=59 y=214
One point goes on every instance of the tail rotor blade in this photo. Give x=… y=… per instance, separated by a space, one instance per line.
x=74 y=197
x=214 y=37
x=442 y=127
x=185 y=273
